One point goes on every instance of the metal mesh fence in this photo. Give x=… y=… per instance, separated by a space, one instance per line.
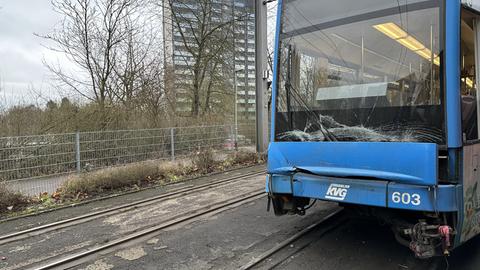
x=103 y=149
x=50 y=155
x=33 y=156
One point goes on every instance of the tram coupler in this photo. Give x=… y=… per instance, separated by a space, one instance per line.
x=425 y=239
x=445 y=232
x=284 y=204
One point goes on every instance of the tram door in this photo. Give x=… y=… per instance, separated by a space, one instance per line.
x=470 y=51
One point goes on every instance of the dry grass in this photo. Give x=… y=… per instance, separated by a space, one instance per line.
x=127 y=177
x=148 y=173
x=12 y=201
x=246 y=158
x=204 y=161
x=132 y=175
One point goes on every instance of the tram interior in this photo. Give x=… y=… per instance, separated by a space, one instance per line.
x=374 y=80
x=468 y=76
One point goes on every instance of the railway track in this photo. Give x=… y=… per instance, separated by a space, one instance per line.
x=326 y=224
x=71 y=260
x=20 y=235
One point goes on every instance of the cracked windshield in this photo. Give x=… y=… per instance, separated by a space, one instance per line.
x=361 y=71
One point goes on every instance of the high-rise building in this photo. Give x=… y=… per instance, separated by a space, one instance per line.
x=237 y=67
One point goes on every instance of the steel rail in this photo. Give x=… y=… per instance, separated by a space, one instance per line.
x=257 y=260
x=118 y=209
x=181 y=218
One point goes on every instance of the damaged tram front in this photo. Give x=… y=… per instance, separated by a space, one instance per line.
x=375 y=107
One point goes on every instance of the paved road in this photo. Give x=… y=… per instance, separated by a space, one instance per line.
x=368 y=245
x=226 y=241
x=232 y=238
x=46 y=245
x=36 y=186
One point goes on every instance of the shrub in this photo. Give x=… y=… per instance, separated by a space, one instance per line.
x=171 y=172
x=12 y=201
x=204 y=161
x=246 y=158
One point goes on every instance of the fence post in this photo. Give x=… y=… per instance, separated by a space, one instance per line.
x=77 y=152
x=172 y=142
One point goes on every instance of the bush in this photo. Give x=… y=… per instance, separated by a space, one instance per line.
x=171 y=172
x=246 y=158
x=204 y=161
x=11 y=201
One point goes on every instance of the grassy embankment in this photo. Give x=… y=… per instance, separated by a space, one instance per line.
x=115 y=180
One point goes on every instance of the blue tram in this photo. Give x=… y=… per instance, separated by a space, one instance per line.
x=375 y=106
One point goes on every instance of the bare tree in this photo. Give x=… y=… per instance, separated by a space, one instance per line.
x=152 y=97
x=115 y=45
x=90 y=35
x=139 y=58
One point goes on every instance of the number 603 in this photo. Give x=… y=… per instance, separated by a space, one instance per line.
x=406 y=198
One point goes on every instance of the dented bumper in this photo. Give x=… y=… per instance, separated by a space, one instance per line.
x=389 y=194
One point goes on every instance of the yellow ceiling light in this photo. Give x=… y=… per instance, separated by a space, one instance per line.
x=411 y=43
x=391 y=30
x=396 y=33
x=425 y=53
x=468 y=81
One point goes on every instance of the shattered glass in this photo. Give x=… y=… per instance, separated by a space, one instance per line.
x=367 y=70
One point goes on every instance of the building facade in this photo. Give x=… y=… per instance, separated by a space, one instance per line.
x=233 y=21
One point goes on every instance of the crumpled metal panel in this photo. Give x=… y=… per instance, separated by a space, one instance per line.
x=408 y=163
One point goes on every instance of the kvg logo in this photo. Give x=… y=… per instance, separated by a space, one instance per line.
x=337 y=192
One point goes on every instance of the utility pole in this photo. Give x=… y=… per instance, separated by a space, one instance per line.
x=261 y=76
x=235 y=116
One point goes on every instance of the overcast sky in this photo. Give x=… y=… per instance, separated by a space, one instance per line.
x=21 y=52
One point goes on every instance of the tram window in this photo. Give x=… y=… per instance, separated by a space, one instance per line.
x=361 y=71
x=469 y=51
